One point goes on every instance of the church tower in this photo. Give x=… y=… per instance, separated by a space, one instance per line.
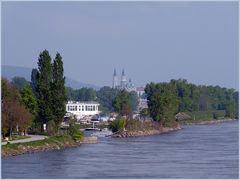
x=123 y=80
x=115 y=79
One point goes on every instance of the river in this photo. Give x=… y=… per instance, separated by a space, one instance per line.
x=196 y=151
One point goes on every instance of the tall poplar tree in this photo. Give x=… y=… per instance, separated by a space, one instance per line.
x=34 y=76
x=43 y=89
x=59 y=96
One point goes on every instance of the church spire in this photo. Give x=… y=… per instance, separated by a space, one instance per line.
x=123 y=80
x=115 y=79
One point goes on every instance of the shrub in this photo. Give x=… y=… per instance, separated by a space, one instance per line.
x=118 y=124
x=74 y=130
x=51 y=128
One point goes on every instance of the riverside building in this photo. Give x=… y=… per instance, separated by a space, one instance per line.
x=82 y=108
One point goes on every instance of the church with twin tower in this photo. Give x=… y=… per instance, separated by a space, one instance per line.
x=128 y=86
x=123 y=84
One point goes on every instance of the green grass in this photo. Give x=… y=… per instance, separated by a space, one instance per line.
x=60 y=140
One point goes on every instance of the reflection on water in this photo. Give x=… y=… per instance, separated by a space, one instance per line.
x=196 y=151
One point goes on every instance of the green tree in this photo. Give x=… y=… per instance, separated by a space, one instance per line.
x=106 y=96
x=74 y=130
x=186 y=94
x=236 y=102
x=19 y=83
x=14 y=113
x=29 y=100
x=58 y=91
x=162 y=102
x=118 y=124
x=43 y=89
x=230 y=109
x=122 y=103
x=133 y=100
x=144 y=113
x=85 y=94
x=71 y=94
x=34 y=77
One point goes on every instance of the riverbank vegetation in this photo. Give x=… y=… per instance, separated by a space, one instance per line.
x=200 y=102
x=15 y=116
x=123 y=127
x=50 y=143
x=31 y=106
x=165 y=100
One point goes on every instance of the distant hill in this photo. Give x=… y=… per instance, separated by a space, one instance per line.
x=10 y=71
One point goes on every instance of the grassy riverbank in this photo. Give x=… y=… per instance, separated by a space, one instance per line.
x=50 y=143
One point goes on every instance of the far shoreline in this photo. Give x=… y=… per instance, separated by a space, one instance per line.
x=208 y=122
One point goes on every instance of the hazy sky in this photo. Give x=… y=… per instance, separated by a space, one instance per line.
x=153 y=41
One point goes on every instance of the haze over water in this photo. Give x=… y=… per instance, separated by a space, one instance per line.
x=196 y=151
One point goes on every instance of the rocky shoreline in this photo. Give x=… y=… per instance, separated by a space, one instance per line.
x=27 y=149
x=126 y=134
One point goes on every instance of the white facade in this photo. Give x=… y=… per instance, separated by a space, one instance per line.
x=81 y=109
x=140 y=91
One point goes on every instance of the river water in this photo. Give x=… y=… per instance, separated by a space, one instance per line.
x=196 y=151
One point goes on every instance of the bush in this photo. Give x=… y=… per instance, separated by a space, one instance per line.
x=215 y=115
x=133 y=125
x=118 y=124
x=51 y=128
x=74 y=130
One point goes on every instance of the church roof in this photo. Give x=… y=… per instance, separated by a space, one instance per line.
x=140 y=88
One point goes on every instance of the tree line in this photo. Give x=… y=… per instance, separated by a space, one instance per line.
x=15 y=115
x=111 y=100
x=42 y=101
x=108 y=98
x=166 y=99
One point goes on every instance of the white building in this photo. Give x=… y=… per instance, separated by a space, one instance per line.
x=82 y=108
x=140 y=91
x=142 y=104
